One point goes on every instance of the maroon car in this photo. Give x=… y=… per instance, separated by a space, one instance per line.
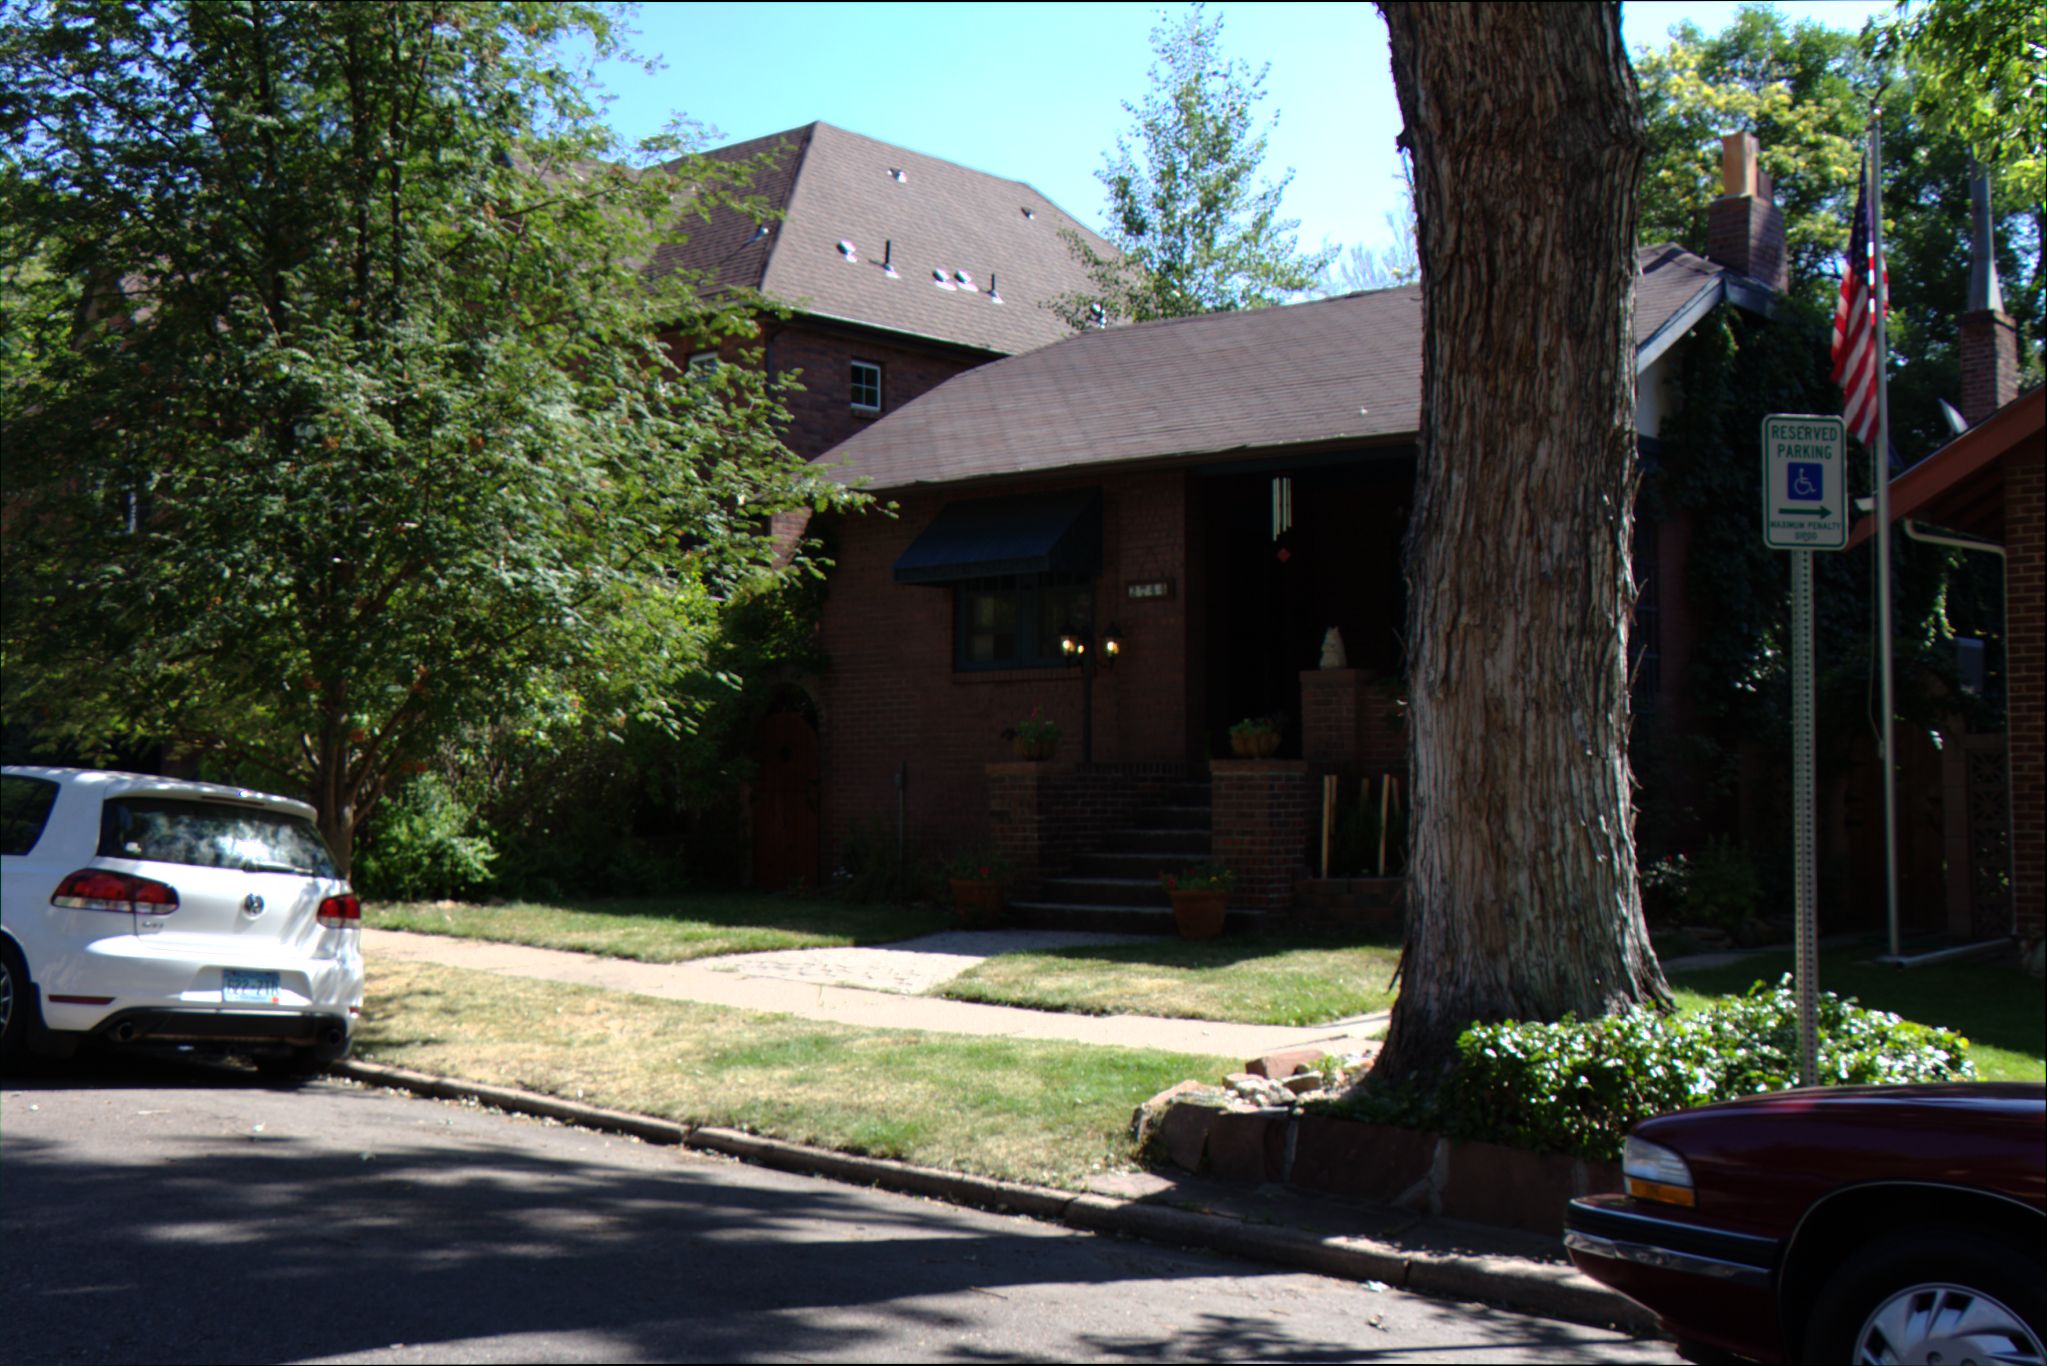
x=1863 y=1223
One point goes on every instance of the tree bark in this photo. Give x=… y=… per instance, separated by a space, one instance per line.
x=1527 y=142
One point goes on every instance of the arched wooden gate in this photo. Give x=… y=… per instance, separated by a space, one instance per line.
x=785 y=800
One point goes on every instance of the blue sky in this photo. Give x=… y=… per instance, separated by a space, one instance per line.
x=1035 y=92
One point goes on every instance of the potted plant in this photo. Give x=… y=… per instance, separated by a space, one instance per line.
x=1200 y=898
x=1035 y=737
x=1256 y=737
x=976 y=877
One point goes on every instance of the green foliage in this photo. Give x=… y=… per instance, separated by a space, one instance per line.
x=872 y=869
x=1977 y=67
x=1717 y=886
x=1035 y=729
x=1354 y=844
x=981 y=863
x=1202 y=877
x=1807 y=93
x=1578 y=1085
x=1196 y=229
x=1258 y=725
x=425 y=848
x=341 y=411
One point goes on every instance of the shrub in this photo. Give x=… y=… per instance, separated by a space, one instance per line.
x=1577 y=1086
x=871 y=869
x=423 y=848
x=1717 y=886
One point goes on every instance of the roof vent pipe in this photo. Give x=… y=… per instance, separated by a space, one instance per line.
x=994 y=294
x=888 y=252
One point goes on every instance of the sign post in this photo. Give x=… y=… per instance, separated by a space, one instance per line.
x=1805 y=508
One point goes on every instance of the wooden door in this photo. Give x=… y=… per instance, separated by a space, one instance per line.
x=785 y=802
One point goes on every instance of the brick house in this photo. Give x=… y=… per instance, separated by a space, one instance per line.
x=1217 y=493
x=898 y=271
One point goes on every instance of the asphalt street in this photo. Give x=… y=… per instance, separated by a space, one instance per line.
x=163 y=1211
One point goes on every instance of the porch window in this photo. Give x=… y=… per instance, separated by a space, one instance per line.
x=1015 y=621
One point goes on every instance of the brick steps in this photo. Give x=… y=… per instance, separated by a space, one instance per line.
x=1116 y=889
x=1074 y=915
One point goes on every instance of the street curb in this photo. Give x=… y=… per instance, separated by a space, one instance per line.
x=1529 y=1287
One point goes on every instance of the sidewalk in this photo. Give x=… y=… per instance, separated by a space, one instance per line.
x=1376 y=1245
x=801 y=983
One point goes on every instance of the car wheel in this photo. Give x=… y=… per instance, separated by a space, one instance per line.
x=16 y=1001
x=1945 y=1295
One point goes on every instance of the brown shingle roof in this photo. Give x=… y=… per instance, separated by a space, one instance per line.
x=833 y=186
x=1335 y=371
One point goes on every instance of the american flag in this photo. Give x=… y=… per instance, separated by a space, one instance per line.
x=1854 y=353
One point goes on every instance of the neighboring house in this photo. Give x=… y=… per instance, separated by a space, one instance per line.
x=1220 y=491
x=1986 y=490
x=898 y=271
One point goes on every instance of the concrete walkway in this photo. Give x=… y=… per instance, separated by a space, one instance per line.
x=808 y=983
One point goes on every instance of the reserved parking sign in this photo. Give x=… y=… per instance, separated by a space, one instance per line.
x=1805 y=482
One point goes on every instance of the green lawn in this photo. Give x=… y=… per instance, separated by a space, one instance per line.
x=1052 y=1113
x=670 y=929
x=2000 y=1009
x=1252 y=979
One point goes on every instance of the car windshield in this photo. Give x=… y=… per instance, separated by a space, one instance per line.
x=212 y=835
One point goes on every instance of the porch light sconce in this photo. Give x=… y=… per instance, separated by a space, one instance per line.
x=1073 y=647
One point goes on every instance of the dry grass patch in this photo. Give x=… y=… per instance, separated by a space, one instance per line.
x=1250 y=979
x=1050 y=1113
x=664 y=929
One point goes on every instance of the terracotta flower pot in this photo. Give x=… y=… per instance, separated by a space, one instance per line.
x=1199 y=914
x=1035 y=749
x=975 y=902
x=1256 y=744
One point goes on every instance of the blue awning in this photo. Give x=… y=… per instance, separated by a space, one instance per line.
x=1045 y=533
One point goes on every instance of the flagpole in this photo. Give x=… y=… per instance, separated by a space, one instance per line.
x=1880 y=461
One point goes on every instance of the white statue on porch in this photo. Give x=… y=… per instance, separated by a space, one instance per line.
x=1333 y=656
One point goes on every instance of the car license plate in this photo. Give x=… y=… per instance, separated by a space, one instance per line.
x=248 y=986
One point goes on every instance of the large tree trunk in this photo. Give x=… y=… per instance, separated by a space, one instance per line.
x=1527 y=145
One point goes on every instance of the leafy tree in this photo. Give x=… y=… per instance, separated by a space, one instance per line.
x=1976 y=67
x=1807 y=92
x=342 y=418
x=1195 y=230
x=1522 y=897
x=1359 y=267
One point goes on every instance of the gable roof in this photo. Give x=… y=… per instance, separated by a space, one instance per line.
x=1961 y=485
x=1342 y=371
x=831 y=185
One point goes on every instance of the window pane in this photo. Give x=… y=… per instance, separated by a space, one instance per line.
x=24 y=809
x=211 y=835
x=991 y=625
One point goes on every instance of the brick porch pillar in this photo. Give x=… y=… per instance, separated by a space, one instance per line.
x=1022 y=806
x=1260 y=827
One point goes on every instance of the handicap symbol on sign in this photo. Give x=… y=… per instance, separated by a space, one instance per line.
x=1804 y=482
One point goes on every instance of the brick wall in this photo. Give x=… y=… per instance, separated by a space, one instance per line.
x=2025 y=532
x=1989 y=346
x=1042 y=816
x=821 y=359
x=1746 y=233
x=1351 y=723
x=1260 y=833
x=891 y=695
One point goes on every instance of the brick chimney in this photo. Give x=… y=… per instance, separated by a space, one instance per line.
x=1989 y=342
x=1744 y=227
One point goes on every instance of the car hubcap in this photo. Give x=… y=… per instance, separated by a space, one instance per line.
x=6 y=995
x=1946 y=1325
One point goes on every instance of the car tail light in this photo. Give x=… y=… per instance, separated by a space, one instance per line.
x=96 y=889
x=342 y=912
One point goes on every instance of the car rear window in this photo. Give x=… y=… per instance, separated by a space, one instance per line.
x=24 y=810
x=212 y=835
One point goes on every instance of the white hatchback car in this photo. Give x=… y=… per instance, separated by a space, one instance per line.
x=153 y=910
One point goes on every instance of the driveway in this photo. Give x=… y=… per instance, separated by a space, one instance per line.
x=166 y=1211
